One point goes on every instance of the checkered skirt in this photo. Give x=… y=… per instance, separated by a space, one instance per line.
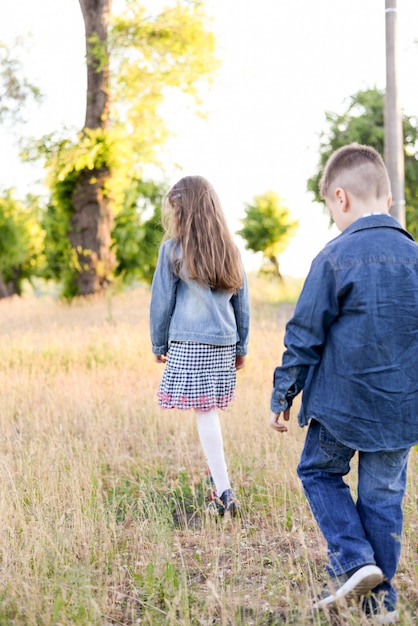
x=198 y=376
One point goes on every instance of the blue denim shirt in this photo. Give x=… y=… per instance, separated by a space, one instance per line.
x=183 y=310
x=352 y=344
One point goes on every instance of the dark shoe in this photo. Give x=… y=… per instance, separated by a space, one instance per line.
x=358 y=584
x=227 y=503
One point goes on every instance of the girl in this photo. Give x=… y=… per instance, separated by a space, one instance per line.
x=199 y=317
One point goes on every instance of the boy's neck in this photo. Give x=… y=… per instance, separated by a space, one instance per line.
x=373 y=206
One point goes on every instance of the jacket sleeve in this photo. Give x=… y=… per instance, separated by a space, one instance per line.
x=305 y=337
x=241 y=305
x=163 y=299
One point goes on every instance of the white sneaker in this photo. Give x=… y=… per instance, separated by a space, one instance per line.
x=391 y=617
x=361 y=582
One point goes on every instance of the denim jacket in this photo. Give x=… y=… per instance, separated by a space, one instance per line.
x=183 y=310
x=352 y=344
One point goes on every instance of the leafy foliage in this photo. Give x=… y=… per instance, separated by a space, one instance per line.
x=363 y=122
x=136 y=205
x=152 y=56
x=15 y=89
x=21 y=237
x=21 y=241
x=137 y=238
x=267 y=227
x=67 y=160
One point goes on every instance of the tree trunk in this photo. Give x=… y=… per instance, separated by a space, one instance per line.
x=92 y=219
x=96 y=19
x=11 y=288
x=4 y=292
x=275 y=262
x=90 y=235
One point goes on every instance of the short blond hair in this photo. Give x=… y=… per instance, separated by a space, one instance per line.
x=357 y=168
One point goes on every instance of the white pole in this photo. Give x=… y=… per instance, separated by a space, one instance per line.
x=394 y=149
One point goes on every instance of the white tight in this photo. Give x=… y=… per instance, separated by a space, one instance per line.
x=210 y=434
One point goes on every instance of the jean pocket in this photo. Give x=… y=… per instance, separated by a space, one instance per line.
x=335 y=450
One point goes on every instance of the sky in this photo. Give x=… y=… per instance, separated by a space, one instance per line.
x=284 y=64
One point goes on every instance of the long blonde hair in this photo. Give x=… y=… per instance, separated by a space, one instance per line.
x=192 y=215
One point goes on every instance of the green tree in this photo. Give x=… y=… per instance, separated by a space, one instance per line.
x=267 y=228
x=138 y=231
x=134 y=61
x=15 y=89
x=363 y=122
x=20 y=234
x=21 y=242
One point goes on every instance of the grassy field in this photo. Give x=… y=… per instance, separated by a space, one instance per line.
x=103 y=495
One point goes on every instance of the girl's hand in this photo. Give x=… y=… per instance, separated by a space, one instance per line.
x=160 y=358
x=274 y=421
x=239 y=361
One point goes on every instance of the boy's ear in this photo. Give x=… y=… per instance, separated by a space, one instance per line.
x=342 y=198
x=389 y=201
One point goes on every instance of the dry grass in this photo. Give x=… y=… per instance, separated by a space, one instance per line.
x=102 y=495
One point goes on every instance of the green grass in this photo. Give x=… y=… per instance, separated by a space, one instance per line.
x=103 y=496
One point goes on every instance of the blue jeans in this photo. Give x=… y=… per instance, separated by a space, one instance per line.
x=368 y=531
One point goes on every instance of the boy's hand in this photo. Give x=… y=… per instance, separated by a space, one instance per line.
x=274 y=421
x=239 y=361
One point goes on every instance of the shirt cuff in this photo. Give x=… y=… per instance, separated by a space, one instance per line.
x=278 y=402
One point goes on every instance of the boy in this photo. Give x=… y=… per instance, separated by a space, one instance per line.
x=352 y=346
